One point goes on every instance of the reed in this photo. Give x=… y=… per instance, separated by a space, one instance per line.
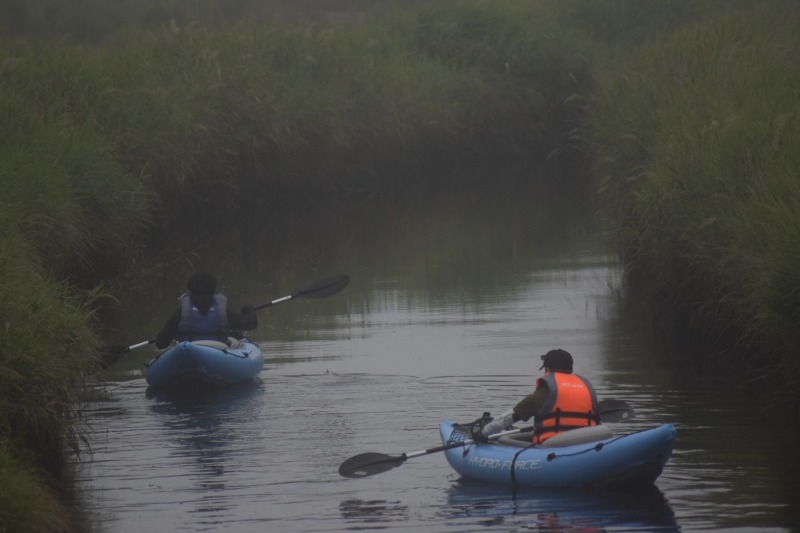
x=63 y=191
x=47 y=347
x=106 y=148
x=27 y=504
x=211 y=120
x=96 y=21
x=694 y=139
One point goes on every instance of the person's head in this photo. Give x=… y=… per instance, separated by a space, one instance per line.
x=557 y=360
x=202 y=284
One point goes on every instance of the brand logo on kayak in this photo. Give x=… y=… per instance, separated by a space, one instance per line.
x=501 y=464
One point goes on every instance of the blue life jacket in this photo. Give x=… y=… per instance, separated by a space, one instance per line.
x=194 y=325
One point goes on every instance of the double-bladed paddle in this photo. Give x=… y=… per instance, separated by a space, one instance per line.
x=320 y=289
x=615 y=410
x=371 y=463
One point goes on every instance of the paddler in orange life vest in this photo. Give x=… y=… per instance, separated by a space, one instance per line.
x=562 y=401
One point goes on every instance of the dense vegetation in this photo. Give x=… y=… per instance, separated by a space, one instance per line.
x=687 y=109
x=98 y=21
x=696 y=142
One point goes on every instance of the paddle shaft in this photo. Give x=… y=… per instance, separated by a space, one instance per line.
x=459 y=444
x=274 y=302
x=321 y=289
x=139 y=345
x=371 y=463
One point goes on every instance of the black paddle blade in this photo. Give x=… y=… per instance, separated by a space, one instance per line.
x=369 y=464
x=111 y=354
x=615 y=411
x=324 y=287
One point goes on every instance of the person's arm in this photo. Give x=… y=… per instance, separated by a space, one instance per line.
x=169 y=331
x=246 y=319
x=530 y=404
x=524 y=410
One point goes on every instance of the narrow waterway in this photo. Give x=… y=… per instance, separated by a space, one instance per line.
x=451 y=302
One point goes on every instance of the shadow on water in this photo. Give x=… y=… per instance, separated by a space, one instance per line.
x=203 y=427
x=209 y=404
x=476 y=504
x=373 y=512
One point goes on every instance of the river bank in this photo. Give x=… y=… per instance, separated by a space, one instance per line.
x=694 y=141
x=115 y=152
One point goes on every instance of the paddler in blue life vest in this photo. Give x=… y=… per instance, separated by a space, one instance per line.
x=561 y=401
x=203 y=314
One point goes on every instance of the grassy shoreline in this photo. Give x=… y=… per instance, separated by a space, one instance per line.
x=695 y=141
x=688 y=111
x=111 y=146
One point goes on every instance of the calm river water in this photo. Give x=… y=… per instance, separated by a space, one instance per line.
x=451 y=303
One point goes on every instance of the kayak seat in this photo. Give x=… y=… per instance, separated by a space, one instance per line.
x=567 y=438
x=211 y=344
x=518 y=440
x=232 y=343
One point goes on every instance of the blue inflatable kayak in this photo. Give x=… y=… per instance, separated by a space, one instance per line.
x=204 y=363
x=586 y=457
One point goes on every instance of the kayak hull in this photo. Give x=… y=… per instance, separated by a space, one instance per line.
x=633 y=459
x=202 y=364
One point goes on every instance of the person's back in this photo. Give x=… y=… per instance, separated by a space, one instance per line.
x=571 y=403
x=561 y=401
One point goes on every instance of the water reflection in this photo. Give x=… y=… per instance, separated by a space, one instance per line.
x=358 y=512
x=203 y=428
x=475 y=504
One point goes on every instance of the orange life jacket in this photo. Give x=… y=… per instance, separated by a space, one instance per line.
x=571 y=403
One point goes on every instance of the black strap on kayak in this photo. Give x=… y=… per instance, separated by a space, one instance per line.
x=514 y=463
x=597 y=447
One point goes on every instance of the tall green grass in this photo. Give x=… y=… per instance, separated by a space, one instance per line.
x=106 y=149
x=26 y=503
x=697 y=142
x=626 y=24
x=64 y=193
x=98 y=21
x=228 y=120
x=47 y=346
x=175 y=132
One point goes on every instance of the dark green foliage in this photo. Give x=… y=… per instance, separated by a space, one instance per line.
x=105 y=147
x=696 y=139
x=692 y=124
